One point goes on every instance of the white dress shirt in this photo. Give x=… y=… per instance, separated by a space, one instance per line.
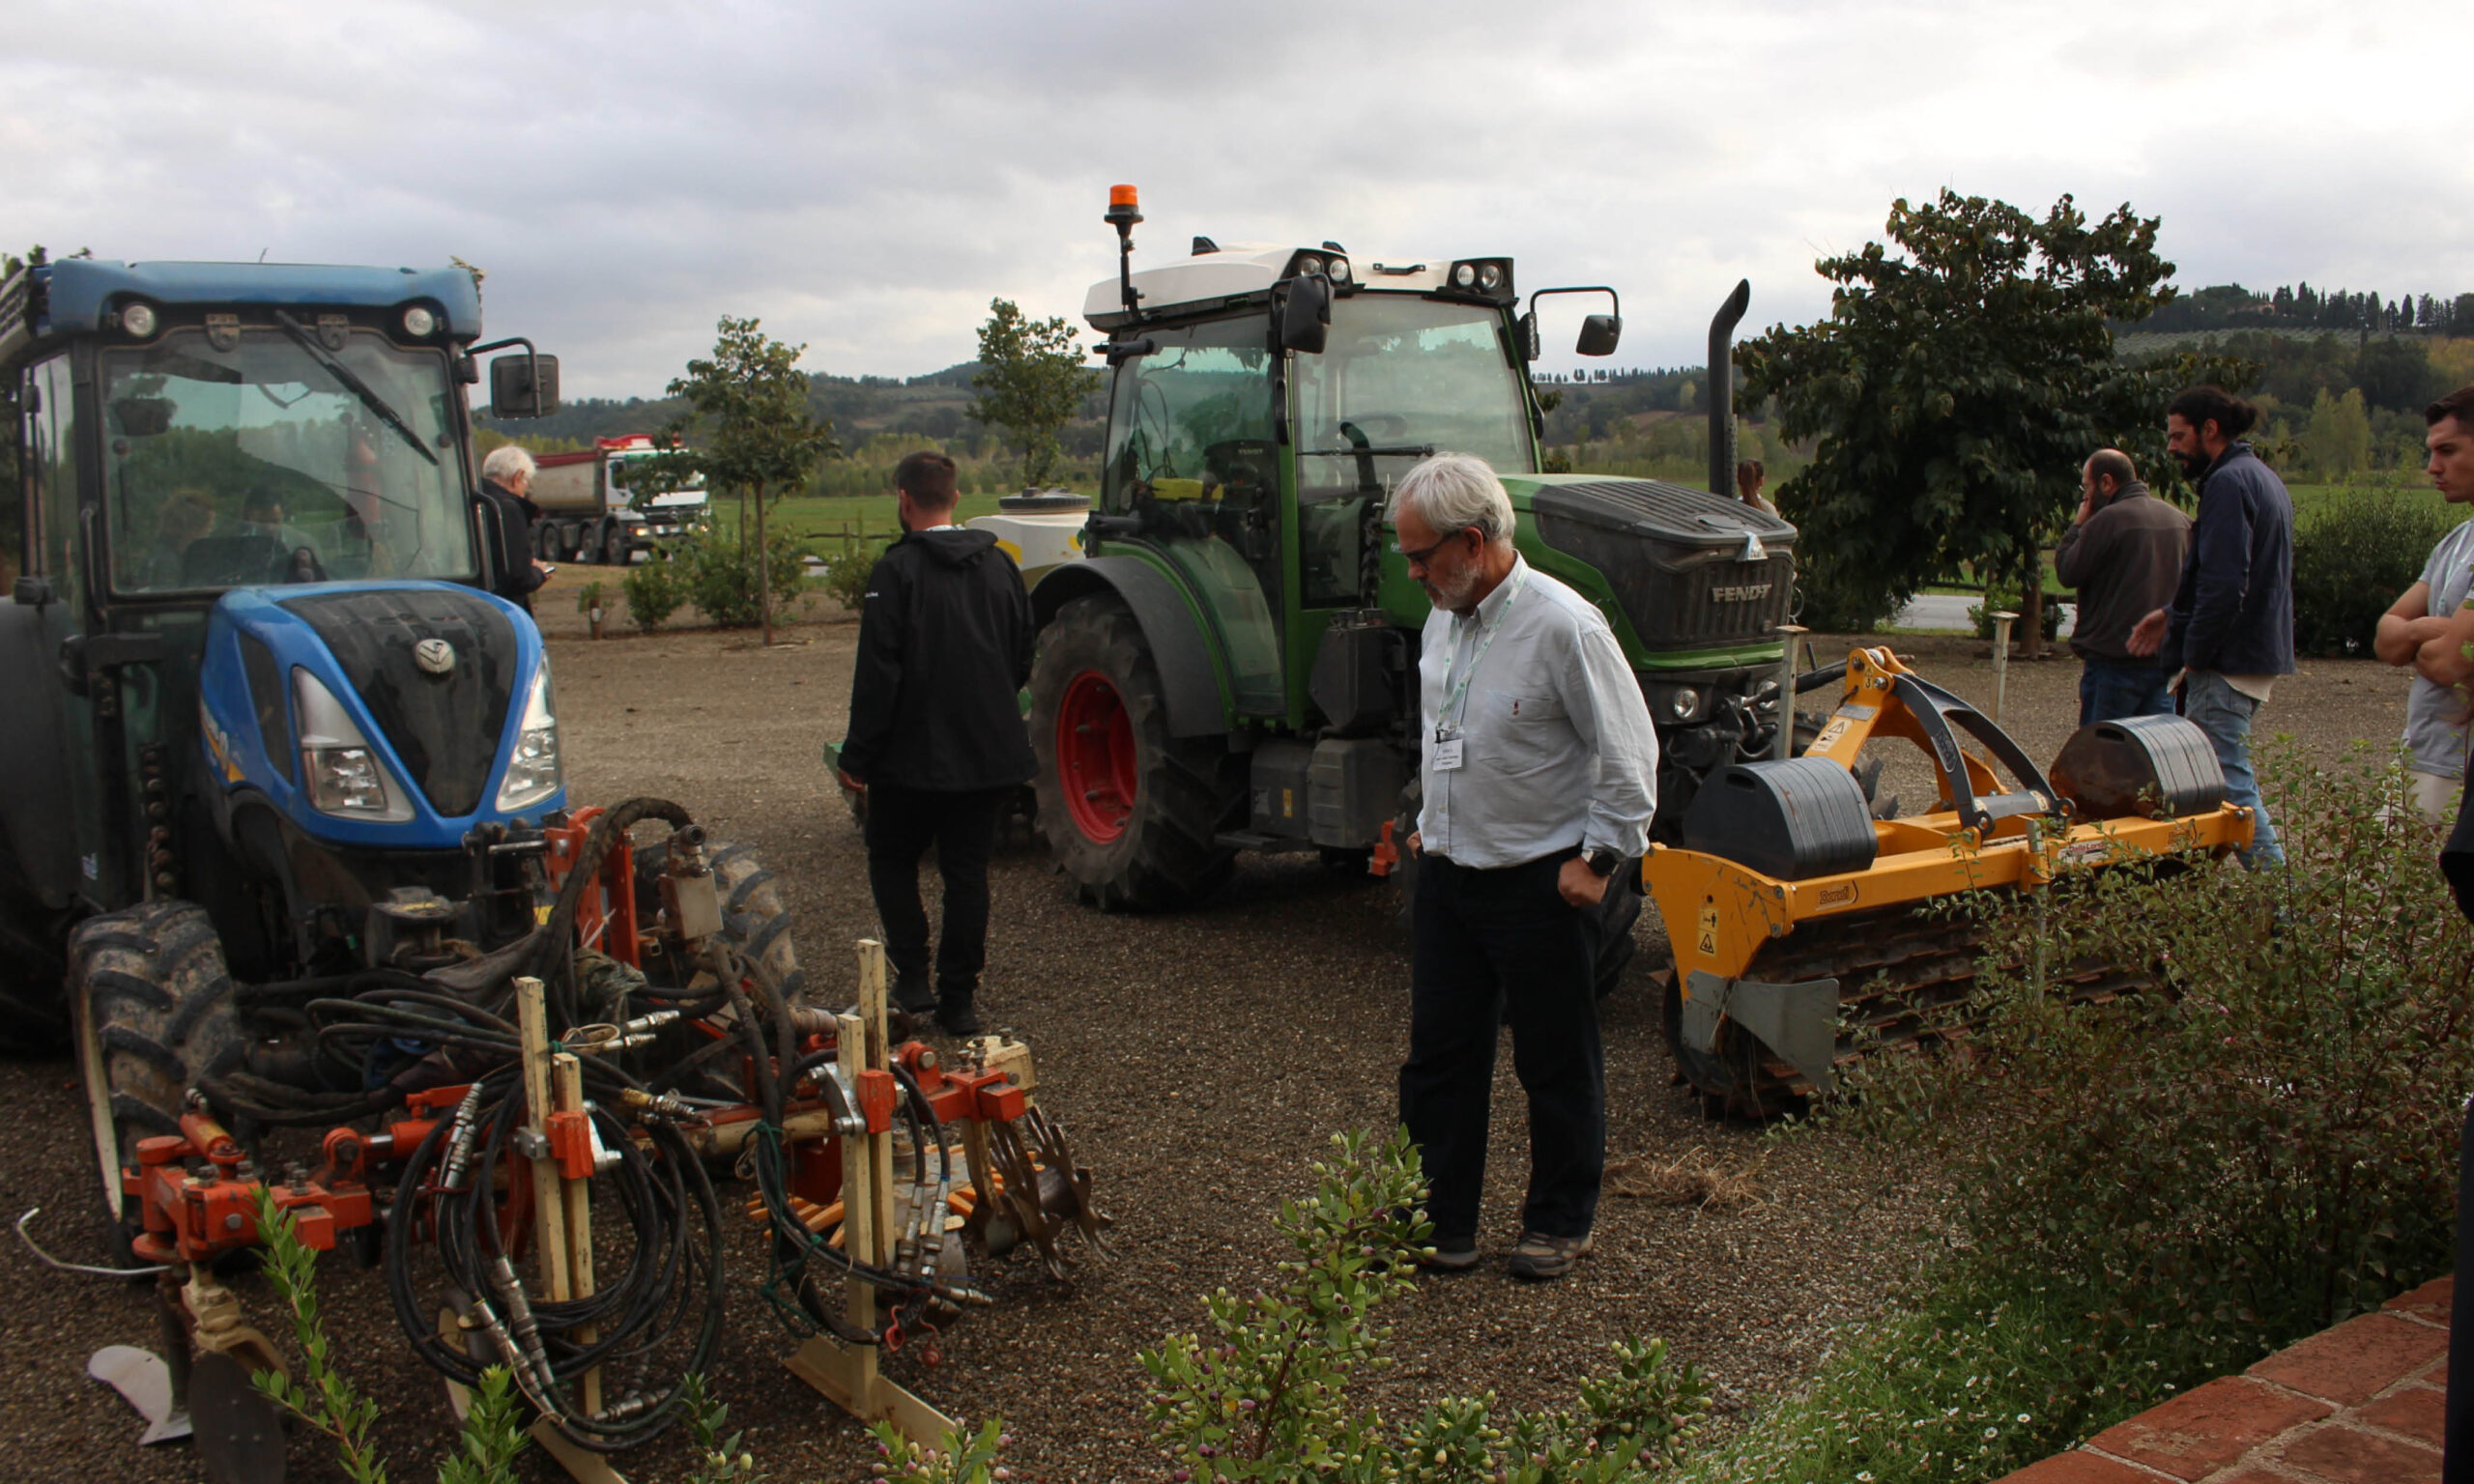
x=1557 y=750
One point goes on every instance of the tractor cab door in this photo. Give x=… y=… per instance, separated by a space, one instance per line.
x=1400 y=378
x=1193 y=464
x=49 y=792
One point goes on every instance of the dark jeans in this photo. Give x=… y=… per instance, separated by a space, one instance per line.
x=902 y=824
x=2114 y=690
x=1495 y=947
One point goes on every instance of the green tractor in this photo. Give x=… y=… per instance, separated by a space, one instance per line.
x=1234 y=667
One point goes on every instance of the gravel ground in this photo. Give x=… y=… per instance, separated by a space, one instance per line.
x=1200 y=1060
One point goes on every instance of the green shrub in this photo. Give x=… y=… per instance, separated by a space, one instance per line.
x=2158 y=1190
x=846 y=576
x=2354 y=552
x=720 y=576
x=1265 y=1396
x=2010 y=600
x=590 y=596
x=656 y=587
x=1827 y=605
x=330 y=1404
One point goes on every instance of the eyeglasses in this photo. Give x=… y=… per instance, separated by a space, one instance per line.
x=1425 y=554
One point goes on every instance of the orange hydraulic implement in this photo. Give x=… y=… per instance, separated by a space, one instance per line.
x=1757 y=1004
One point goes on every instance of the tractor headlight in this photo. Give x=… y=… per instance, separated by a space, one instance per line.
x=1339 y=270
x=338 y=767
x=138 y=320
x=418 y=321
x=533 y=771
x=1490 y=276
x=1309 y=263
x=1683 y=702
x=1463 y=274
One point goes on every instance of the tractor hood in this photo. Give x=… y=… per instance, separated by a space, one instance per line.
x=1693 y=571
x=379 y=714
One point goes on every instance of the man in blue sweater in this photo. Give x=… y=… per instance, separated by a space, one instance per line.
x=2228 y=633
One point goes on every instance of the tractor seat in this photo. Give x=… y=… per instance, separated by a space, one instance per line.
x=233 y=561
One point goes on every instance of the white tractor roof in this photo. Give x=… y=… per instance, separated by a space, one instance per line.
x=1250 y=267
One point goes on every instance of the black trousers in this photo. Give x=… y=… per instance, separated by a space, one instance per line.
x=902 y=824
x=1495 y=947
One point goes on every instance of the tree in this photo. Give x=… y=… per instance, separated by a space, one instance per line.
x=752 y=431
x=1963 y=376
x=1030 y=380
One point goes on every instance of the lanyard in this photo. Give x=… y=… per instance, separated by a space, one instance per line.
x=1448 y=720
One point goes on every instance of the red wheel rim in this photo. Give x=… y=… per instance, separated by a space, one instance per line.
x=1095 y=757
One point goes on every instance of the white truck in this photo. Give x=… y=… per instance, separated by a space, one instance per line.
x=588 y=513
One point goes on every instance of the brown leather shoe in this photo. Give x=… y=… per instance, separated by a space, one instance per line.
x=1540 y=1258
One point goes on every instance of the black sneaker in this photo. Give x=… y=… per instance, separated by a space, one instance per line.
x=1451 y=1254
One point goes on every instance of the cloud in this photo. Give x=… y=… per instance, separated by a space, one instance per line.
x=866 y=178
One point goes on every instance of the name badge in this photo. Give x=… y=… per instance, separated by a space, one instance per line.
x=1446 y=754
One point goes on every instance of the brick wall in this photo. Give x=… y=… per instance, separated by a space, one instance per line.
x=2359 y=1404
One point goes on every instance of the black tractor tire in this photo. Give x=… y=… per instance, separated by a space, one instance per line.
x=34 y=976
x=1132 y=814
x=151 y=1005
x=754 y=919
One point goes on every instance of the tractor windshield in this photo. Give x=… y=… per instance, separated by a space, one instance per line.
x=1403 y=377
x=226 y=463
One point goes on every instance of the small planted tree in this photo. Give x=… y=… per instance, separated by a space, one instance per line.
x=1032 y=378
x=1963 y=374
x=753 y=433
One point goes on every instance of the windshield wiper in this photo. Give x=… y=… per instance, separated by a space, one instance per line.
x=352 y=384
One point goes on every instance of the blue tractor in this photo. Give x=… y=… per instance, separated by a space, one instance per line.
x=268 y=733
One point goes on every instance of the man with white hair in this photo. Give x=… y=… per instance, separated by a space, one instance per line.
x=1539 y=775
x=506 y=514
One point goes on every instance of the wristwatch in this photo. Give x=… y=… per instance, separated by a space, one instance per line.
x=1603 y=860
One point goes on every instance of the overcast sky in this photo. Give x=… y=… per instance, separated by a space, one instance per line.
x=865 y=178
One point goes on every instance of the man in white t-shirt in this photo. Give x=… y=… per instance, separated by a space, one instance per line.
x=2434 y=735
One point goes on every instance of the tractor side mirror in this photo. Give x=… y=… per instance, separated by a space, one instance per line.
x=1305 y=314
x=513 y=392
x=1599 y=335
x=1532 y=344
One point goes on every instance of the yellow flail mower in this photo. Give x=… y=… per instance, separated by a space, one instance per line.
x=1801 y=922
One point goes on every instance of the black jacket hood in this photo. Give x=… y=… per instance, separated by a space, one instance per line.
x=954 y=548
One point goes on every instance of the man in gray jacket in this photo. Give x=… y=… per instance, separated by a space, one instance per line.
x=2123 y=553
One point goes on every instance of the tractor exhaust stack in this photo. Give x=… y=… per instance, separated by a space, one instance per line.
x=1722 y=388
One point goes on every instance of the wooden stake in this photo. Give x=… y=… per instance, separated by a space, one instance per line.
x=849 y=1374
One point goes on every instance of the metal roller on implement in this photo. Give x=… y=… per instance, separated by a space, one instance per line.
x=1797 y=919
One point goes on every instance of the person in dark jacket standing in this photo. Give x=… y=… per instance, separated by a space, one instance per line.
x=2228 y=633
x=936 y=736
x=2123 y=554
x=508 y=513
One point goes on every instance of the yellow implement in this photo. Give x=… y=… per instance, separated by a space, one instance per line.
x=1793 y=913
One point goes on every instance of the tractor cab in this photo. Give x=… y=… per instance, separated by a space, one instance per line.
x=1233 y=669
x=242 y=489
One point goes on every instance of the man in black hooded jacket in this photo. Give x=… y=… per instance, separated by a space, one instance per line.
x=936 y=736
